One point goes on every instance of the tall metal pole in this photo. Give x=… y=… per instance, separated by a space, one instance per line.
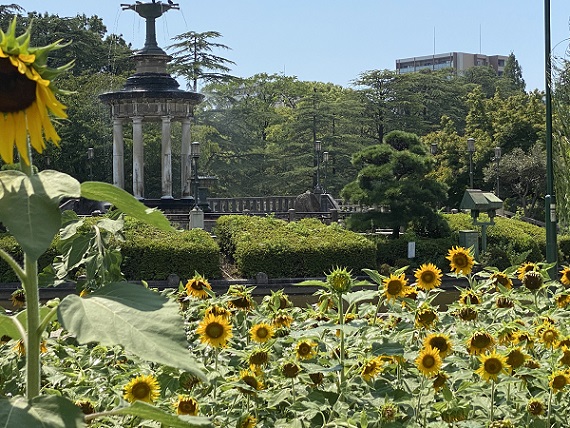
x=550 y=198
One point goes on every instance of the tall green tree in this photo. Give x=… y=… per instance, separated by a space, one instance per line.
x=194 y=60
x=513 y=73
x=394 y=178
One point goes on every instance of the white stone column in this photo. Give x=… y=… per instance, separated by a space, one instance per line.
x=186 y=159
x=166 y=159
x=118 y=154
x=138 y=158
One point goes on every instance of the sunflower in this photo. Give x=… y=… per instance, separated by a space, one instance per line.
x=339 y=280
x=526 y=267
x=186 y=405
x=142 y=388
x=558 y=380
x=562 y=300
x=261 y=332
x=535 y=407
x=247 y=421
x=251 y=380
x=461 y=261
x=532 y=280
x=282 y=320
x=565 y=358
x=467 y=313
x=317 y=378
x=426 y=317
x=389 y=412
x=469 y=297
x=87 y=407
x=18 y=298
x=214 y=331
x=372 y=368
x=188 y=381
x=26 y=95
x=516 y=358
x=198 y=286
x=439 y=381
x=305 y=350
x=565 y=278
x=290 y=369
x=20 y=347
x=548 y=335
x=428 y=361
x=492 y=365
x=219 y=311
x=524 y=337
x=441 y=342
x=504 y=302
x=258 y=357
x=395 y=286
x=240 y=298
x=428 y=276
x=480 y=342
x=501 y=278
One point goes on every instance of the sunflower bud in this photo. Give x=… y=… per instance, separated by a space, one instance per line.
x=340 y=280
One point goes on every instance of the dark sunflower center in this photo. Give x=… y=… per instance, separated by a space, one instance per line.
x=549 y=336
x=187 y=406
x=428 y=277
x=481 y=341
x=493 y=366
x=428 y=361
x=250 y=380
x=197 y=285
x=559 y=382
x=262 y=332
x=141 y=391
x=515 y=359
x=460 y=260
x=214 y=330
x=394 y=287
x=258 y=358
x=439 y=343
x=427 y=317
x=290 y=370
x=304 y=349
x=17 y=92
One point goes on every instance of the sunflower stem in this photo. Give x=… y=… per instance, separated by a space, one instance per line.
x=491 y=412
x=32 y=342
x=418 y=406
x=549 y=408
x=341 y=323
x=293 y=390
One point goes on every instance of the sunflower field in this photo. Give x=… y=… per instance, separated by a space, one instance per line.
x=376 y=353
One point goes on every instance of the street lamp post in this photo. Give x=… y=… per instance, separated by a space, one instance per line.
x=90 y=157
x=195 y=153
x=471 y=150
x=318 y=147
x=326 y=162
x=497 y=160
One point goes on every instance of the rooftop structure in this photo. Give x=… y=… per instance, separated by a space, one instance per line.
x=458 y=61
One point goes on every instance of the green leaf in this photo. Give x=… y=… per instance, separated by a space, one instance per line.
x=374 y=275
x=148 y=411
x=142 y=321
x=29 y=207
x=311 y=283
x=8 y=327
x=125 y=202
x=48 y=411
x=359 y=296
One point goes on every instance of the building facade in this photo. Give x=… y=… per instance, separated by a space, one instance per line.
x=459 y=61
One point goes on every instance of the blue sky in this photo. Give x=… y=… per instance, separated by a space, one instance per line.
x=334 y=41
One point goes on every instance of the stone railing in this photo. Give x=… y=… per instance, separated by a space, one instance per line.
x=257 y=204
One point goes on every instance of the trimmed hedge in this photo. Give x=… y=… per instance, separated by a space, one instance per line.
x=152 y=254
x=394 y=252
x=306 y=248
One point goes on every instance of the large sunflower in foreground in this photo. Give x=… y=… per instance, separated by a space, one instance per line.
x=26 y=95
x=142 y=388
x=460 y=260
x=395 y=286
x=214 y=331
x=492 y=365
x=428 y=361
x=428 y=276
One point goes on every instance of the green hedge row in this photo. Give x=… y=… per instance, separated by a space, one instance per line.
x=306 y=248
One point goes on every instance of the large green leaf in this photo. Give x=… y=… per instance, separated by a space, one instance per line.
x=29 y=207
x=147 y=411
x=125 y=202
x=42 y=412
x=144 y=322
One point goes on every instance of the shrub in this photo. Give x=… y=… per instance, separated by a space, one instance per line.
x=280 y=249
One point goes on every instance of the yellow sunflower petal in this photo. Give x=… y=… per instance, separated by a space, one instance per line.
x=34 y=119
x=21 y=135
x=49 y=99
x=27 y=58
x=7 y=137
x=48 y=129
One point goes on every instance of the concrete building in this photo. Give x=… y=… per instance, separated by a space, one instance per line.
x=459 y=61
